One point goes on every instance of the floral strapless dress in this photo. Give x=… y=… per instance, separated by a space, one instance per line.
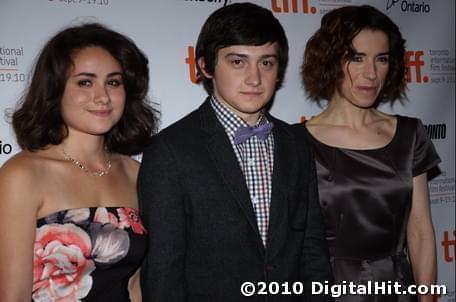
x=87 y=254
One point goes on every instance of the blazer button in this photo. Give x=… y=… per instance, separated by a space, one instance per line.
x=329 y=178
x=269 y=267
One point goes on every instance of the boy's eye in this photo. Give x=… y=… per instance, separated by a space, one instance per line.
x=268 y=64
x=237 y=62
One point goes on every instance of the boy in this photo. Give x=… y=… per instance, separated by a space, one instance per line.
x=228 y=193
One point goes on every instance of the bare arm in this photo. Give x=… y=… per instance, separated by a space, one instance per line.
x=134 y=288
x=18 y=210
x=420 y=235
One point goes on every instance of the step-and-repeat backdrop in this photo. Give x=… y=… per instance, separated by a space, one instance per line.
x=167 y=30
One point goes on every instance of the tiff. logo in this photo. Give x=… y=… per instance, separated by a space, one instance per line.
x=283 y=6
x=449 y=246
x=191 y=61
x=413 y=60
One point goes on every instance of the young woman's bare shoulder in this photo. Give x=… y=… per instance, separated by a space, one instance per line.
x=28 y=167
x=128 y=164
x=21 y=181
x=23 y=164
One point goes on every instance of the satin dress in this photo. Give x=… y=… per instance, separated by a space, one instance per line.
x=366 y=197
x=87 y=254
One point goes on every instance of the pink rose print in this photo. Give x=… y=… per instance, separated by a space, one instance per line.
x=61 y=268
x=129 y=217
x=103 y=216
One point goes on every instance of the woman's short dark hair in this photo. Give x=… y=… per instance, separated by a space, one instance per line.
x=38 y=120
x=239 y=24
x=331 y=46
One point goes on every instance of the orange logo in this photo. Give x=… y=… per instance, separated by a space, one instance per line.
x=413 y=60
x=449 y=246
x=283 y=6
x=191 y=61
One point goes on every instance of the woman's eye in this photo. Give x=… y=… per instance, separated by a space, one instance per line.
x=357 y=59
x=384 y=59
x=115 y=83
x=84 y=83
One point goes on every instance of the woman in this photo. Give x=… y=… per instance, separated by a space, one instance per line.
x=69 y=220
x=371 y=166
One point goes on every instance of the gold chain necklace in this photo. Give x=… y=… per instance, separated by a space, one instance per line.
x=81 y=166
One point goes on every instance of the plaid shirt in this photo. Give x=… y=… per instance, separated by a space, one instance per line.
x=256 y=159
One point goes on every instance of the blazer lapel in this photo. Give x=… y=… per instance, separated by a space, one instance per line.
x=222 y=153
x=285 y=159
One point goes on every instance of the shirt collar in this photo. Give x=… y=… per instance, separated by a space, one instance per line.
x=231 y=121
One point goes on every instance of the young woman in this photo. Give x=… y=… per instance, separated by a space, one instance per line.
x=68 y=210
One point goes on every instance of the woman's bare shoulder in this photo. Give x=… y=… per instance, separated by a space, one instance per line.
x=128 y=164
x=28 y=167
x=22 y=181
x=22 y=164
x=317 y=125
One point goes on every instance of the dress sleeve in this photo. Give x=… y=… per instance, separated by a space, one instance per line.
x=425 y=156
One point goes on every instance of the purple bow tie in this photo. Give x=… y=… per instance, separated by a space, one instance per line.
x=244 y=133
